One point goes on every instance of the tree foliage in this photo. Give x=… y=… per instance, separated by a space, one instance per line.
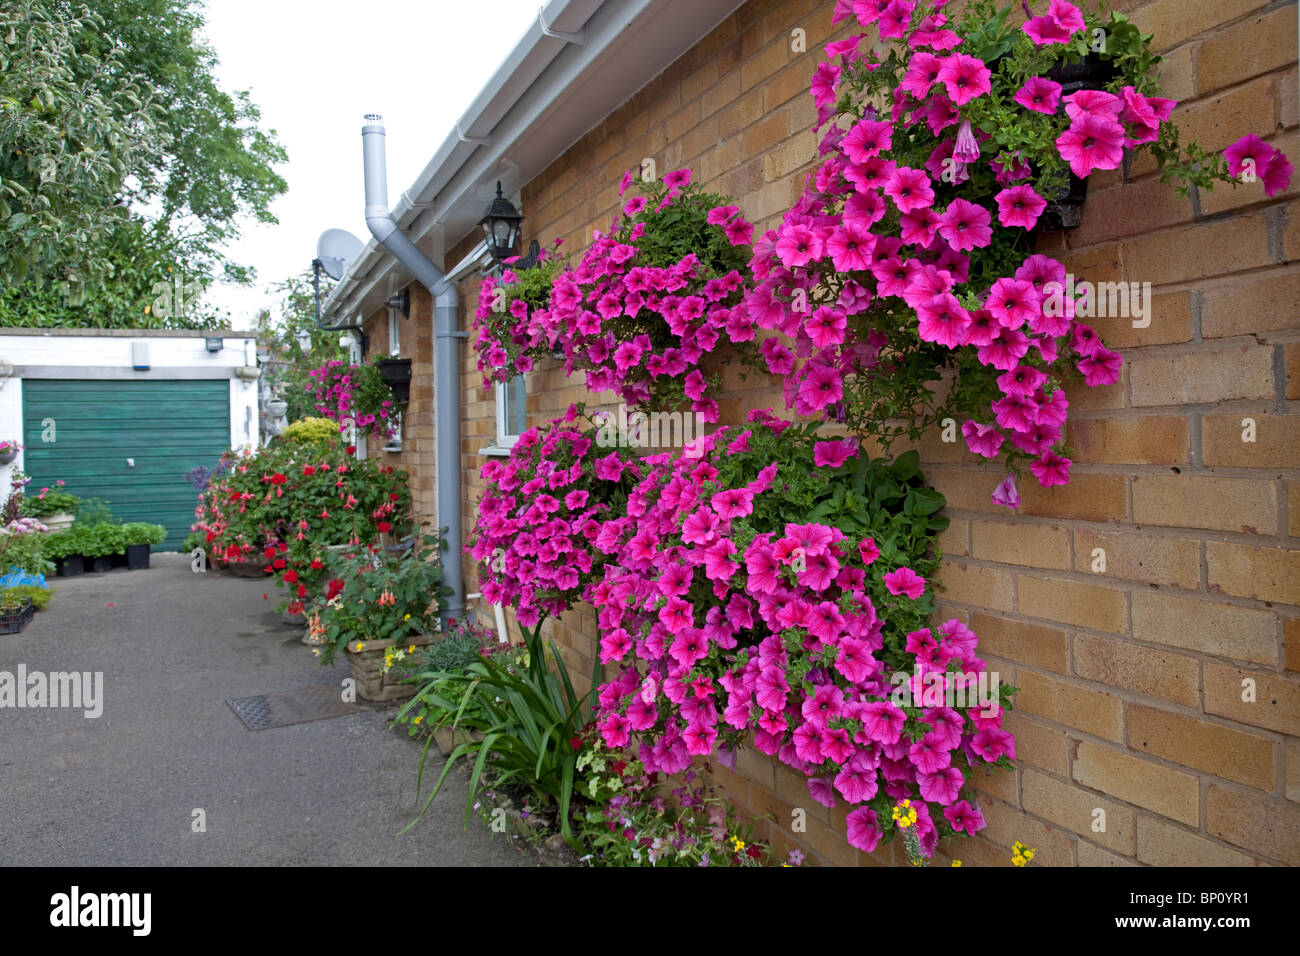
x=124 y=167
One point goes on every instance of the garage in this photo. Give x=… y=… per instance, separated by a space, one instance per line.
x=122 y=416
x=127 y=443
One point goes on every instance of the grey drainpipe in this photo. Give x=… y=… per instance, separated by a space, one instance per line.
x=446 y=381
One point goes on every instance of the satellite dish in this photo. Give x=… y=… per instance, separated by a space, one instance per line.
x=336 y=249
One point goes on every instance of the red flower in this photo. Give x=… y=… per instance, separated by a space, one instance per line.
x=282 y=547
x=302 y=590
x=351 y=449
x=295 y=607
x=290 y=577
x=270 y=554
x=754 y=852
x=316 y=564
x=335 y=586
x=393 y=496
x=576 y=743
x=308 y=470
x=278 y=564
x=278 y=478
x=384 y=527
x=211 y=537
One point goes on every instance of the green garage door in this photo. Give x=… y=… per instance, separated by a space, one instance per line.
x=165 y=428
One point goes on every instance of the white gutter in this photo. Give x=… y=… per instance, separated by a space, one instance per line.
x=577 y=62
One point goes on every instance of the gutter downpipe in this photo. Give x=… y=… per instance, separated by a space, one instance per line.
x=446 y=331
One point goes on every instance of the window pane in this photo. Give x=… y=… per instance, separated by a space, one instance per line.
x=516 y=417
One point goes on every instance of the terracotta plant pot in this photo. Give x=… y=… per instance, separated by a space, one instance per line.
x=373 y=682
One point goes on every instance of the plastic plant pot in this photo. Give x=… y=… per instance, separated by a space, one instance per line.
x=71 y=566
x=137 y=557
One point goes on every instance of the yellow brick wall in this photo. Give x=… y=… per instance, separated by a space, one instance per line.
x=1130 y=680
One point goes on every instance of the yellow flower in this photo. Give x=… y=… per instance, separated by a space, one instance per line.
x=737 y=844
x=360 y=645
x=411 y=649
x=418 y=719
x=956 y=862
x=407 y=618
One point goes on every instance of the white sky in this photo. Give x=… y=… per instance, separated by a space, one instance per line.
x=314 y=68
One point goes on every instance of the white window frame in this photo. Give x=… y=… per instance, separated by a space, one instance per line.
x=505 y=440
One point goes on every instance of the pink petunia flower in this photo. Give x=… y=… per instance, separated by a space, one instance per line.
x=983 y=440
x=905 y=581
x=832 y=454
x=964 y=77
x=1051 y=469
x=1006 y=493
x=1020 y=206
x=1039 y=94
x=1092 y=142
x=964 y=225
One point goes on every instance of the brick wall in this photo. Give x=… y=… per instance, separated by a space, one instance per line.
x=417 y=456
x=1130 y=678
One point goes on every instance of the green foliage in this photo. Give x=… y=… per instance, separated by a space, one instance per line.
x=49 y=503
x=67 y=143
x=384 y=596
x=139 y=532
x=626 y=820
x=105 y=113
x=19 y=594
x=27 y=552
x=88 y=540
x=312 y=431
x=94 y=511
x=288 y=366
x=527 y=718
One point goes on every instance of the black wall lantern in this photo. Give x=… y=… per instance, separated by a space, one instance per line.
x=501 y=227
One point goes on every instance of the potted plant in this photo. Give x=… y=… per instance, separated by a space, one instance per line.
x=16 y=610
x=138 y=537
x=377 y=606
x=9 y=451
x=356 y=393
x=56 y=508
x=276 y=407
x=67 y=549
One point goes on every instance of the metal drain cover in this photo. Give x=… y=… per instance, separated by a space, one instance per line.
x=291 y=707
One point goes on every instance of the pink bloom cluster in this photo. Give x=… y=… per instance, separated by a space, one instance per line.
x=541 y=513
x=640 y=328
x=876 y=231
x=1251 y=159
x=334 y=400
x=508 y=330
x=721 y=632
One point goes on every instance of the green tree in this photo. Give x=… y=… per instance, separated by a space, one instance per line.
x=67 y=145
x=287 y=364
x=179 y=165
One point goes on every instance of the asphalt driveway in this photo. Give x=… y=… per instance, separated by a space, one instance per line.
x=121 y=789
